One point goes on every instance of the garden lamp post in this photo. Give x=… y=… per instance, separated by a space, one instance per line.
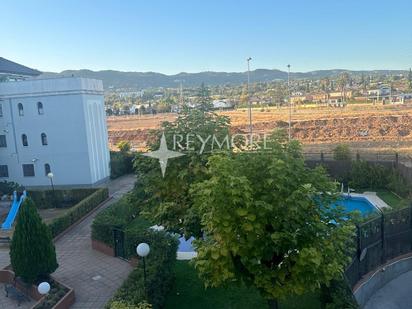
x=50 y=175
x=143 y=250
x=43 y=288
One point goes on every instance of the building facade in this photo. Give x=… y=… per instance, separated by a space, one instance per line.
x=53 y=125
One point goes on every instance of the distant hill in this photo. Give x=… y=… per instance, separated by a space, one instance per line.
x=140 y=80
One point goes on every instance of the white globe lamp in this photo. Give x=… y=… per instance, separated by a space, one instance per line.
x=43 y=288
x=143 y=249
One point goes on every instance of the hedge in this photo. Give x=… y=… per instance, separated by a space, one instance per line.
x=337 y=295
x=120 y=163
x=159 y=269
x=78 y=211
x=59 y=198
x=118 y=215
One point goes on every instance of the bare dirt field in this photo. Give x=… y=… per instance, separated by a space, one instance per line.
x=375 y=128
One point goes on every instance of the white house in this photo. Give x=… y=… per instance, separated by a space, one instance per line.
x=53 y=125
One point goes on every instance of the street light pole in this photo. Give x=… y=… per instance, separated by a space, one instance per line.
x=50 y=176
x=290 y=105
x=248 y=98
x=143 y=250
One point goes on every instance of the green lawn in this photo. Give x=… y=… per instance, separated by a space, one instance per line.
x=392 y=200
x=189 y=293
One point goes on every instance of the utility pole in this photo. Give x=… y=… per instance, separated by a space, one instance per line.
x=290 y=106
x=181 y=93
x=248 y=98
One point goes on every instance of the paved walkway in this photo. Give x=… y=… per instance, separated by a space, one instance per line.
x=94 y=276
x=396 y=294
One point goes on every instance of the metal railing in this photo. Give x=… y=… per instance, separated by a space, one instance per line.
x=380 y=240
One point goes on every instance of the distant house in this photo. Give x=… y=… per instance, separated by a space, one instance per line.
x=11 y=71
x=319 y=97
x=222 y=104
x=379 y=94
x=338 y=97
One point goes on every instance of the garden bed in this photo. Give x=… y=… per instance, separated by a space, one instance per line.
x=59 y=297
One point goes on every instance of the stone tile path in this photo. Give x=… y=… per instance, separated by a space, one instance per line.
x=94 y=276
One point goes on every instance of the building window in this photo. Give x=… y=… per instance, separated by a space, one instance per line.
x=44 y=139
x=3 y=141
x=4 y=171
x=47 y=169
x=40 y=108
x=28 y=170
x=24 y=140
x=1 y=110
x=21 y=110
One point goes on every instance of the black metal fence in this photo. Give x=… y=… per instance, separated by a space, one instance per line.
x=358 y=155
x=379 y=240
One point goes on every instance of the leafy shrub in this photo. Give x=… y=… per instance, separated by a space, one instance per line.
x=121 y=163
x=78 y=211
x=337 y=296
x=117 y=215
x=124 y=146
x=124 y=305
x=159 y=270
x=342 y=152
x=368 y=175
x=59 y=198
x=32 y=252
x=398 y=184
x=7 y=187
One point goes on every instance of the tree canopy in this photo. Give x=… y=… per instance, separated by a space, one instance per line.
x=32 y=252
x=197 y=133
x=267 y=221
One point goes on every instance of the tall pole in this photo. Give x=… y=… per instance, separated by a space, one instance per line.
x=290 y=106
x=181 y=93
x=144 y=276
x=248 y=98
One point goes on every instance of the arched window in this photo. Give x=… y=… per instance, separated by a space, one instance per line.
x=44 y=139
x=20 y=108
x=40 y=108
x=24 y=140
x=47 y=169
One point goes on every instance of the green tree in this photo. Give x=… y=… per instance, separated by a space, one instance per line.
x=124 y=146
x=167 y=199
x=342 y=152
x=410 y=79
x=266 y=221
x=203 y=98
x=32 y=252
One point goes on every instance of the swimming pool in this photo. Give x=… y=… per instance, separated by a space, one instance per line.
x=356 y=203
x=350 y=204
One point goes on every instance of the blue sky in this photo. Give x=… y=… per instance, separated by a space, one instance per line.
x=190 y=36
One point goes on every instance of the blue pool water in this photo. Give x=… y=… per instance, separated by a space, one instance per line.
x=353 y=203
x=360 y=204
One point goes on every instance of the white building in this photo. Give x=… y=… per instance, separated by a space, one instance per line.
x=53 y=125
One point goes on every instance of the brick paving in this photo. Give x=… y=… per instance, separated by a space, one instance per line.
x=94 y=276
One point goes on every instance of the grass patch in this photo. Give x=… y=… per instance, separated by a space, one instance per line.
x=392 y=199
x=189 y=293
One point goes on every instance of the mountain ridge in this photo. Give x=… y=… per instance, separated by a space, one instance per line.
x=143 y=80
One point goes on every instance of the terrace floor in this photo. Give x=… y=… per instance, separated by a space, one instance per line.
x=394 y=295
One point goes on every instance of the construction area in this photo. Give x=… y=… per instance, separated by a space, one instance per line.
x=365 y=127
